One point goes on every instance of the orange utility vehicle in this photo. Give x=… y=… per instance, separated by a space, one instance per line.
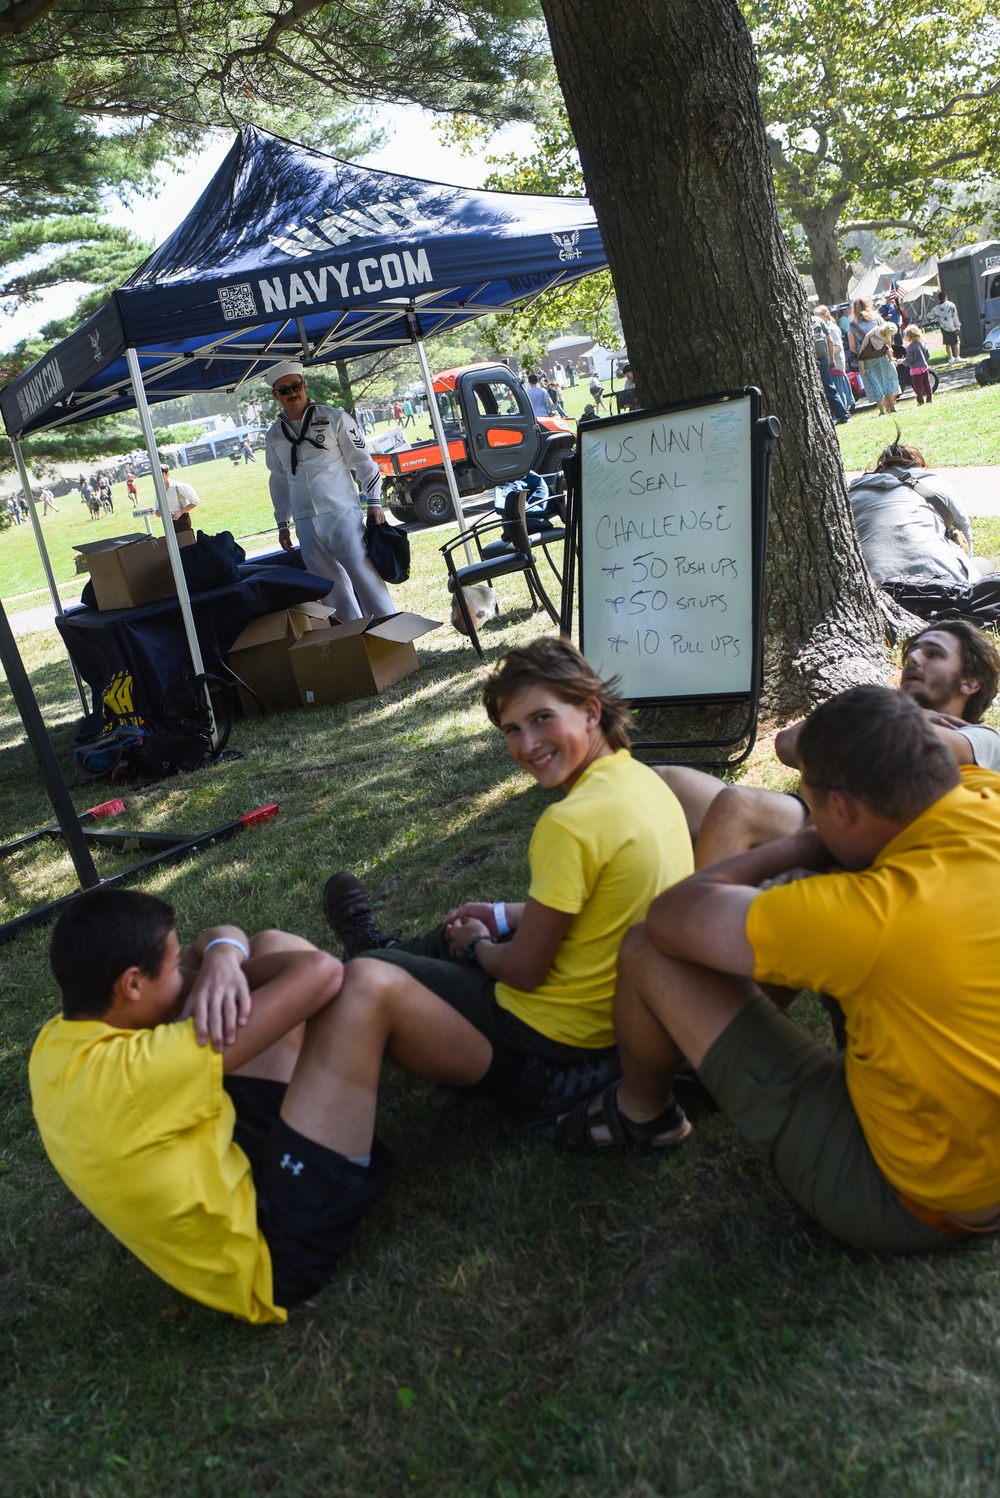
x=493 y=438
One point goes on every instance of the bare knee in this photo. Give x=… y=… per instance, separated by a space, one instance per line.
x=265 y=943
x=743 y=817
x=695 y=790
x=369 y=985
x=635 y=951
x=733 y=808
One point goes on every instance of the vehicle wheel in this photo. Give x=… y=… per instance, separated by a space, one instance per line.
x=402 y=512
x=983 y=372
x=554 y=457
x=433 y=504
x=992 y=373
x=935 y=381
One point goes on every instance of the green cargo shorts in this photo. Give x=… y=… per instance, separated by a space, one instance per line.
x=786 y=1093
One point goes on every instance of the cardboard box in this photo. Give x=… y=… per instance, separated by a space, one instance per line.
x=357 y=659
x=260 y=657
x=129 y=571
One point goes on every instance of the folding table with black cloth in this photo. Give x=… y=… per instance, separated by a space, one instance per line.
x=149 y=642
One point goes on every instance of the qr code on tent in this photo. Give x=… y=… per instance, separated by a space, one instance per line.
x=237 y=302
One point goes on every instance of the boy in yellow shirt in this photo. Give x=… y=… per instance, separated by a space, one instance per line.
x=537 y=978
x=893 y=1145
x=238 y=1171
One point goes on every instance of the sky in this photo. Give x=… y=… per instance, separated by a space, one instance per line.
x=413 y=149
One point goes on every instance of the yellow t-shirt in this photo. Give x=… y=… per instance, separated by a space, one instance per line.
x=911 y=949
x=601 y=855
x=140 y=1128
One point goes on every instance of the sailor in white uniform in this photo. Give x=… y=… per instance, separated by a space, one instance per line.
x=317 y=459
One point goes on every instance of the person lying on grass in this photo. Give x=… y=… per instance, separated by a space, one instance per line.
x=887 y=903
x=537 y=979
x=237 y=1171
x=951 y=669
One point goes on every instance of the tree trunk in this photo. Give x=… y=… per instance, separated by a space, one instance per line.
x=662 y=99
x=831 y=273
x=346 y=388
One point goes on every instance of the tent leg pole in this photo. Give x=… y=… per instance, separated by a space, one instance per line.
x=45 y=755
x=43 y=552
x=438 y=426
x=170 y=535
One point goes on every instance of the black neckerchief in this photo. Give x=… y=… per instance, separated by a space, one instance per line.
x=306 y=419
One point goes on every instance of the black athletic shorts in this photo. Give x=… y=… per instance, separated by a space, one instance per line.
x=310 y=1200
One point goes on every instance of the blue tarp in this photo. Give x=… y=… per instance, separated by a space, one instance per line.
x=289 y=253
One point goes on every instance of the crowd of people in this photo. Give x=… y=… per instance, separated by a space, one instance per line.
x=95 y=493
x=19 y=511
x=215 y=1106
x=877 y=340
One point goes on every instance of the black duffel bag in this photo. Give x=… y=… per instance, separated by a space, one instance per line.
x=212 y=562
x=931 y=599
x=181 y=739
x=388 y=550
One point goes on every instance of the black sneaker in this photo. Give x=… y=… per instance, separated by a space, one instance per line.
x=545 y=1091
x=349 y=911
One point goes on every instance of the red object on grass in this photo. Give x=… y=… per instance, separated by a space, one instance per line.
x=106 y=809
x=262 y=814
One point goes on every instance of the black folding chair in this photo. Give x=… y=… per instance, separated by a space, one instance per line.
x=510 y=552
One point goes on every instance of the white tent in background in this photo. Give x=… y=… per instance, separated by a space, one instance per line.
x=870 y=283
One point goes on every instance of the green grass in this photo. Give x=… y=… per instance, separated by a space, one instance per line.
x=958 y=429
x=512 y=1320
x=233 y=500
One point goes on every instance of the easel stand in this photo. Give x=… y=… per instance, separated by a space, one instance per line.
x=75 y=828
x=666 y=536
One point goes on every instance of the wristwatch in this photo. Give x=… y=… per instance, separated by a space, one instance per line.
x=470 y=952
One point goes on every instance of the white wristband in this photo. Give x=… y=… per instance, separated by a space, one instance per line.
x=500 y=916
x=229 y=941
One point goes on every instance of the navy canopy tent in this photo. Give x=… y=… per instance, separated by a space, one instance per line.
x=289 y=253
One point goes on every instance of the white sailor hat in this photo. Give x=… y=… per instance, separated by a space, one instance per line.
x=279 y=371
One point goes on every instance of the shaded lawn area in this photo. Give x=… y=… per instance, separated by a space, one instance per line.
x=513 y=1320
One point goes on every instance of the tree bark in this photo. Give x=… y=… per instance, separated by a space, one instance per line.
x=663 y=102
x=830 y=272
x=346 y=387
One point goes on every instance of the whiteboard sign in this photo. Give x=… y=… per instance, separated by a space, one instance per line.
x=667 y=548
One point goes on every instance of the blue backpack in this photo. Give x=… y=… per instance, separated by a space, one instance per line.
x=116 y=753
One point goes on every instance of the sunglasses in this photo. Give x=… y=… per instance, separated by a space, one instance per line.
x=289 y=389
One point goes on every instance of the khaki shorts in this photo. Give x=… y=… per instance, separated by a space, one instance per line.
x=786 y=1093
